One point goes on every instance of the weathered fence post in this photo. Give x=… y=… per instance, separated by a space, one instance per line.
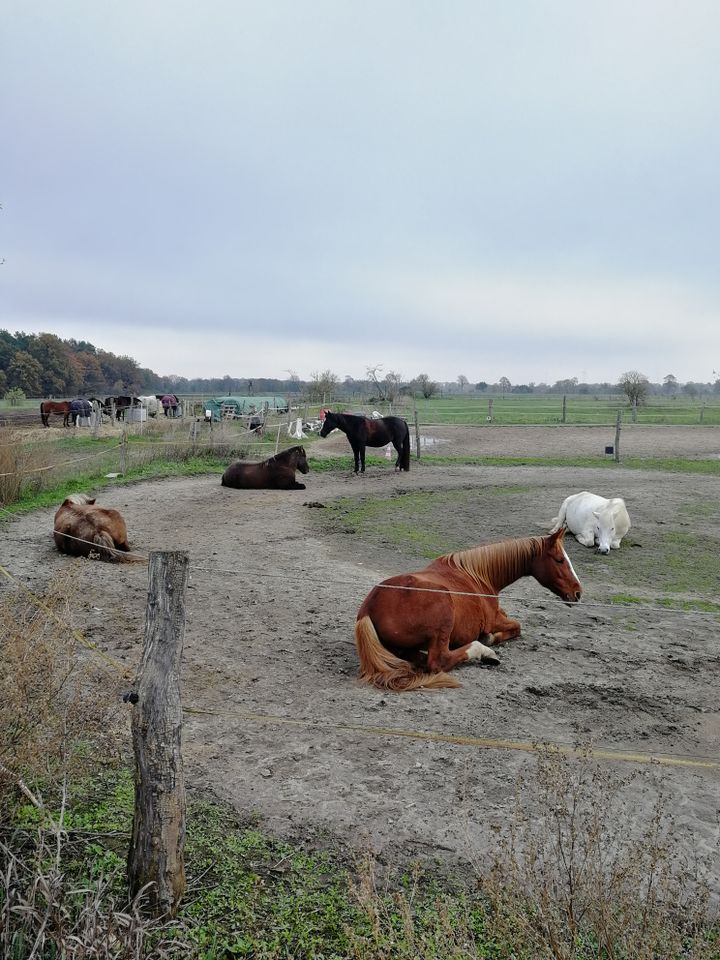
x=417 y=434
x=156 y=854
x=490 y=408
x=634 y=410
x=123 y=451
x=617 y=436
x=564 y=413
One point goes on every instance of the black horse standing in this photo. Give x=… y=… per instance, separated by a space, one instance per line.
x=365 y=432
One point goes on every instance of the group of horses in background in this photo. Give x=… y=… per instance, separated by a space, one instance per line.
x=113 y=407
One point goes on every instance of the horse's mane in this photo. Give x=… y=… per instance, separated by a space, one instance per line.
x=81 y=498
x=506 y=560
x=283 y=455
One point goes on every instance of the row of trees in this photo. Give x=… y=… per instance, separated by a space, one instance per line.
x=43 y=365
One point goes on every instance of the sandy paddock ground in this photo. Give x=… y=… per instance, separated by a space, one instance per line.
x=290 y=736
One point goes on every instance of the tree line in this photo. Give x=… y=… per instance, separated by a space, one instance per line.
x=44 y=365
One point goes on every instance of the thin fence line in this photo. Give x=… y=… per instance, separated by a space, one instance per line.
x=74 y=633
x=514 y=598
x=696 y=761
x=62 y=463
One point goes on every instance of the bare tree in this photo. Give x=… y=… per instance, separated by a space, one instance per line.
x=634 y=385
x=463 y=381
x=425 y=385
x=322 y=385
x=504 y=384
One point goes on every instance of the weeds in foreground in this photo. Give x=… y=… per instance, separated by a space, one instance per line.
x=575 y=878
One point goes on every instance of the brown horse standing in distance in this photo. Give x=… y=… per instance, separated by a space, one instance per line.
x=451 y=610
x=61 y=407
x=277 y=473
x=82 y=528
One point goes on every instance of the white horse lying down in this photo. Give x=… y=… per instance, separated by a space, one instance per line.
x=594 y=520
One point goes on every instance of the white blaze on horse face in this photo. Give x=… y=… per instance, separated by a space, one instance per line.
x=572 y=568
x=604 y=530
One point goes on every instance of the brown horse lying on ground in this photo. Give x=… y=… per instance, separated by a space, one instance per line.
x=277 y=473
x=451 y=610
x=81 y=528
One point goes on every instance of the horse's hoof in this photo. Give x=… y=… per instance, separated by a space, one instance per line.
x=490 y=660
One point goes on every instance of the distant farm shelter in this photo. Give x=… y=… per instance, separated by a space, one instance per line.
x=228 y=408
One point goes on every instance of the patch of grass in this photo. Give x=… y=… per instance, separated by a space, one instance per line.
x=667 y=464
x=700 y=606
x=417 y=517
x=154 y=470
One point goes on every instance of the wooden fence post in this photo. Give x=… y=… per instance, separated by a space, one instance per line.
x=158 y=836
x=564 y=413
x=123 y=451
x=617 y=436
x=417 y=434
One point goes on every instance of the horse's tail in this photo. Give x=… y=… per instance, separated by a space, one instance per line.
x=108 y=550
x=405 y=452
x=44 y=416
x=559 y=520
x=384 y=670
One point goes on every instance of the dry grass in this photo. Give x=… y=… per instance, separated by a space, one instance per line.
x=42 y=914
x=59 y=707
x=577 y=880
x=61 y=717
x=21 y=465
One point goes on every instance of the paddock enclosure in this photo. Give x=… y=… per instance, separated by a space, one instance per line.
x=276 y=722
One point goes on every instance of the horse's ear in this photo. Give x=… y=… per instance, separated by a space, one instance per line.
x=558 y=536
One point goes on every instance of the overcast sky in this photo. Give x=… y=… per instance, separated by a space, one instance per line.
x=518 y=188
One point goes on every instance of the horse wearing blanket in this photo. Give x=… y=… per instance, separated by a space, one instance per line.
x=594 y=520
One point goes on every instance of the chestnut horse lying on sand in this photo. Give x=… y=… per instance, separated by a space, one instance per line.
x=81 y=528
x=277 y=473
x=451 y=610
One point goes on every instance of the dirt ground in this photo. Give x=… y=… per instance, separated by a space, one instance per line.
x=291 y=737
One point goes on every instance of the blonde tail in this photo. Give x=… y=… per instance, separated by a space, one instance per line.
x=383 y=669
x=108 y=550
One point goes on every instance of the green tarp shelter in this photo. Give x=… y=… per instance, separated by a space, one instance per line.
x=222 y=408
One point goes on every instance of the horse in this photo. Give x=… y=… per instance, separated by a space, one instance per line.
x=451 y=610
x=594 y=520
x=363 y=432
x=121 y=404
x=80 y=408
x=55 y=406
x=277 y=473
x=81 y=528
x=169 y=404
x=151 y=404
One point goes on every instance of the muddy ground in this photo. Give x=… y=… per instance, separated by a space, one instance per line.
x=291 y=737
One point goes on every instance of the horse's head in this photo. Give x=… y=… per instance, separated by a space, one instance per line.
x=301 y=461
x=604 y=521
x=329 y=424
x=553 y=569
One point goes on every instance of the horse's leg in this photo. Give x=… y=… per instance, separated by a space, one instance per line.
x=398 y=449
x=356 y=455
x=441 y=658
x=504 y=628
x=362 y=458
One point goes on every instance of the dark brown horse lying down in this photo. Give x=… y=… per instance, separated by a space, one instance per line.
x=277 y=473
x=81 y=528
x=451 y=610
